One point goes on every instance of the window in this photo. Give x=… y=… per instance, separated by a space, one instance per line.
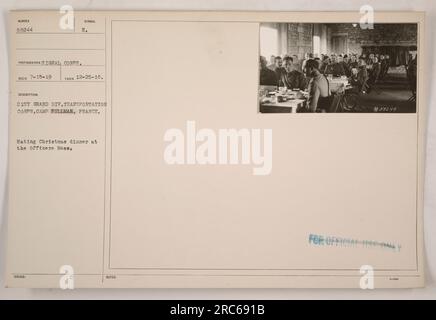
x=270 y=41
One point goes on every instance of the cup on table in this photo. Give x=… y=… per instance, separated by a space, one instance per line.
x=273 y=98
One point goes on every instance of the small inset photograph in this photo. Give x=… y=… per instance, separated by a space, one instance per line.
x=338 y=67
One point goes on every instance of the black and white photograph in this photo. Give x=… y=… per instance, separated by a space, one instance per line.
x=338 y=67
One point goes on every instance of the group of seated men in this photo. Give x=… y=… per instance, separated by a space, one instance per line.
x=289 y=71
x=363 y=72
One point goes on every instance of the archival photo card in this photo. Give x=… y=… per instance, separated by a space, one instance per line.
x=141 y=154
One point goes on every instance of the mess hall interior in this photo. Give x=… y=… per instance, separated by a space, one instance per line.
x=337 y=67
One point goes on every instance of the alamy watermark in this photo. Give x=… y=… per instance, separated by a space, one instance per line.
x=67 y=277
x=66 y=21
x=222 y=147
x=367 y=278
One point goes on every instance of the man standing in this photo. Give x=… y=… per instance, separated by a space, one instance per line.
x=370 y=61
x=375 y=72
x=318 y=88
x=324 y=63
x=307 y=56
x=292 y=78
x=388 y=64
x=382 y=66
x=297 y=62
x=359 y=80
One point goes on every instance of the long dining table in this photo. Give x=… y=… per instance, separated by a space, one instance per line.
x=289 y=106
x=284 y=101
x=288 y=101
